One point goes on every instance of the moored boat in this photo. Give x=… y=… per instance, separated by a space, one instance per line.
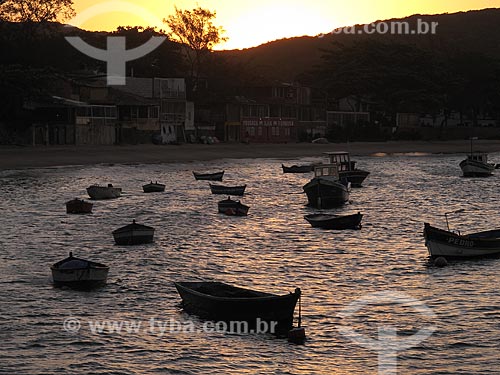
x=447 y=244
x=325 y=190
x=79 y=273
x=232 y=208
x=228 y=190
x=347 y=168
x=78 y=206
x=153 y=187
x=476 y=163
x=133 y=234
x=103 y=192
x=327 y=221
x=297 y=168
x=222 y=302
x=216 y=176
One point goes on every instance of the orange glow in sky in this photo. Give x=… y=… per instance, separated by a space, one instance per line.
x=251 y=23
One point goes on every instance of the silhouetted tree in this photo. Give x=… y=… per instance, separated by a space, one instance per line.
x=36 y=10
x=198 y=35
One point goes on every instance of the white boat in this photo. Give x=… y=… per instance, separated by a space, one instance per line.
x=79 y=273
x=103 y=192
x=133 y=234
x=325 y=190
x=347 y=168
x=476 y=164
x=444 y=243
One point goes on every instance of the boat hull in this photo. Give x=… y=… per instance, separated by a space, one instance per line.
x=79 y=273
x=134 y=237
x=103 y=192
x=334 y=221
x=80 y=278
x=356 y=177
x=228 y=190
x=473 y=168
x=297 y=168
x=262 y=306
x=232 y=208
x=153 y=188
x=78 y=206
x=441 y=243
x=209 y=176
x=326 y=193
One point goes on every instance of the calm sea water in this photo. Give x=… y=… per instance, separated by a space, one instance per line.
x=273 y=249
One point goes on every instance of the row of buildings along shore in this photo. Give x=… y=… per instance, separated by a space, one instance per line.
x=145 y=110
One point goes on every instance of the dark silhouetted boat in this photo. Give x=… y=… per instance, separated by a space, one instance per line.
x=217 y=176
x=228 y=190
x=297 y=168
x=153 y=187
x=327 y=221
x=103 y=192
x=78 y=206
x=447 y=244
x=222 y=302
x=79 y=273
x=133 y=234
x=347 y=168
x=325 y=190
x=232 y=208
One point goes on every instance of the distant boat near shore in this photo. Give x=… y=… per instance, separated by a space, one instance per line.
x=476 y=163
x=298 y=168
x=347 y=168
x=103 y=192
x=78 y=206
x=216 y=176
x=228 y=190
x=153 y=187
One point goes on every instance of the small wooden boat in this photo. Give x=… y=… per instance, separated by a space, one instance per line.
x=228 y=190
x=327 y=221
x=217 y=176
x=297 y=168
x=325 y=190
x=447 y=244
x=103 y=192
x=223 y=302
x=78 y=206
x=133 y=234
x=79 y=273
x=153 y=187
x=232 y=208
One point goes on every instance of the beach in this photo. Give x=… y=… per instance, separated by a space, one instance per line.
x=17 y=157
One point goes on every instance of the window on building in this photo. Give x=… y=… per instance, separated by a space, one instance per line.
x=259 y=131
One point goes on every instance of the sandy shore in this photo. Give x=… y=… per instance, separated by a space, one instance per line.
x=38 y=157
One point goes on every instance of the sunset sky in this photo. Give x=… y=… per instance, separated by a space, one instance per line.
x=250 y=23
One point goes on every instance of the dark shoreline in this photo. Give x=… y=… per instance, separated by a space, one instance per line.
x=16 y=157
